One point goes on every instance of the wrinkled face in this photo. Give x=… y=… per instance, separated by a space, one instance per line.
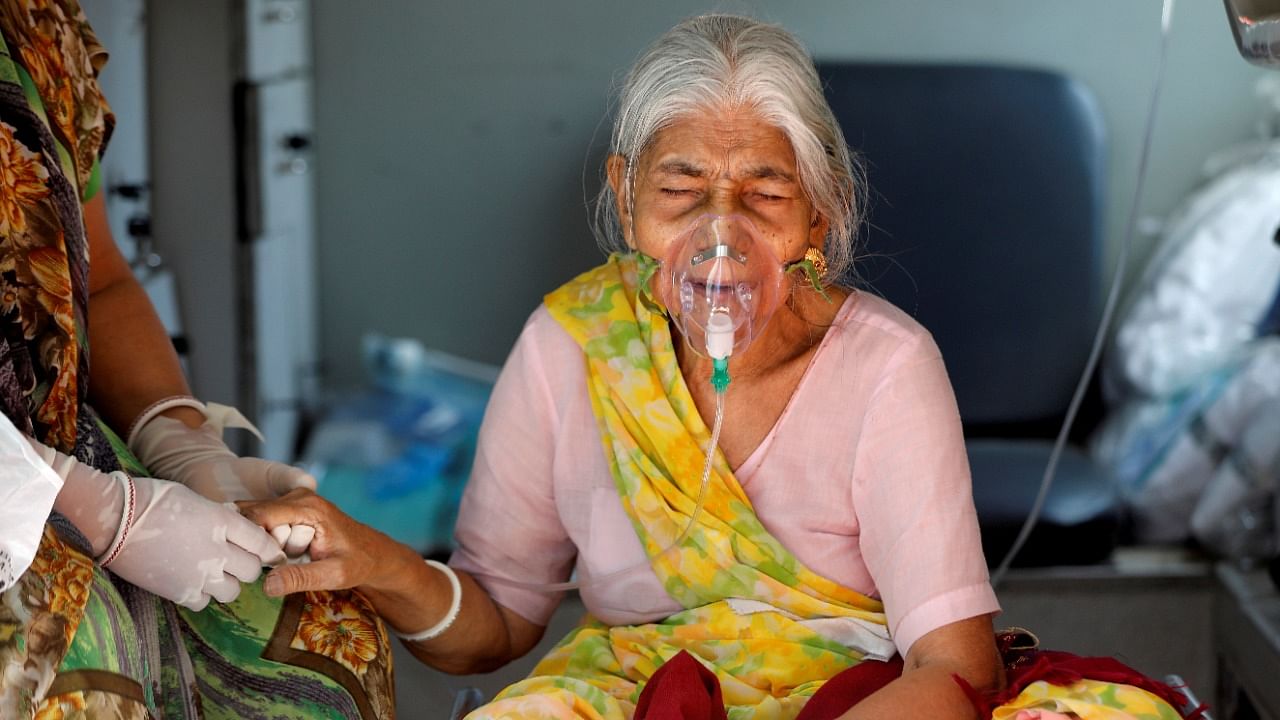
x=722 y=163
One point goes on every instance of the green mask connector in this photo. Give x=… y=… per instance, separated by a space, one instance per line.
x=720 y=374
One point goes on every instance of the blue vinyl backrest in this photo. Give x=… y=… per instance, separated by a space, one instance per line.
x=985 y=221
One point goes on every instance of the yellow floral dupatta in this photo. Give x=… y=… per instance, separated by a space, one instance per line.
x=754 y=615
x=750 y=604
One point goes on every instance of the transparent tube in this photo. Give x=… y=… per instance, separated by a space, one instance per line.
x=693 y=519
x=1104 y=324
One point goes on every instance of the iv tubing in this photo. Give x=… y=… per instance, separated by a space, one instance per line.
x=1122 y=261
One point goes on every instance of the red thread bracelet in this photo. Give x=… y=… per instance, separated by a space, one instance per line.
x=126 y=521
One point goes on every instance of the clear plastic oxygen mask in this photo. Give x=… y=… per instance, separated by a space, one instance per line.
x=720 y=284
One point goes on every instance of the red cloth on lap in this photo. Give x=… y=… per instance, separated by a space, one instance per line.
x=682 y=689
x=850 y=687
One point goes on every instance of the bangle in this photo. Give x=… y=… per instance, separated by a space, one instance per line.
x=126 y=519
x=155 y=409
x=454 y=606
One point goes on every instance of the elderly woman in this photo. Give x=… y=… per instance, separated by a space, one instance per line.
x=835 y=532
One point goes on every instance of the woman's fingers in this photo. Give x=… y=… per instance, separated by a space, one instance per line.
x=281 y=534
x=196 y=603
x=293 y=539
x=300 y=537
x=253 y=539
x=299 y=506
x=303 y=522
x=224 y=589
x=321 y=575
x=244 y=566
x=283 y=478
x=291 y=519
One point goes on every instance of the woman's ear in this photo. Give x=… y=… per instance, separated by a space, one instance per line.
x=615 y=167
x=818 y=228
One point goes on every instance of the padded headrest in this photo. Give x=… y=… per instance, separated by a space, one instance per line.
x=985 y=221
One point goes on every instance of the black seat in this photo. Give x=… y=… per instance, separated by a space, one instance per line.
x=985 y=224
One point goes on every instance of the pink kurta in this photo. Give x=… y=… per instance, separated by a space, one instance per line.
x=863 y=477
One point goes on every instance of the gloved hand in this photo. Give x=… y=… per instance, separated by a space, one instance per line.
x=165 y=539
x=295 y=541
x=197 y=458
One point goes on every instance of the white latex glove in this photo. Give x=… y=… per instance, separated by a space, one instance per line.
x=176 y=544
x=197 y=458
x=295 y=541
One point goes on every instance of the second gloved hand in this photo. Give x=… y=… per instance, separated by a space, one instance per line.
x=161 y=536
x=188 y=549
x=199 y=459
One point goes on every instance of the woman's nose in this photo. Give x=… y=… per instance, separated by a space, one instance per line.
x=725 y=201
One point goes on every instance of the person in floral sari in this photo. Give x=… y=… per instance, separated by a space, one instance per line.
x=833 y=567
x=127 y=583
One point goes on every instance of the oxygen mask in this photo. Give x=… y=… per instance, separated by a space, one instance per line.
x=720 y=283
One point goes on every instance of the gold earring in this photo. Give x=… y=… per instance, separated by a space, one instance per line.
x=818 y=259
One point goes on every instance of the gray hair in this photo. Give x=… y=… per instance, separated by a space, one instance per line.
x=716 y=61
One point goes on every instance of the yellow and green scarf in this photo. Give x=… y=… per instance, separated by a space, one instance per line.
x=768 y=661
x=751 y=607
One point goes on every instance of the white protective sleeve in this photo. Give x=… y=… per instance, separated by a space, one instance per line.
x=28 y=488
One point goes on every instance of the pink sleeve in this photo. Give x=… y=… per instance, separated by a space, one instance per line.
x=914 y=500
x=508 y=526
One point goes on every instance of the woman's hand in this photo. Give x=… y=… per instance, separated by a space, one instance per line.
x=344 y=553
x=927 y=688
x=408 y=594
x=198 y=458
